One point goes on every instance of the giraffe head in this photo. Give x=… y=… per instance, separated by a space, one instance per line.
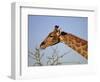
x=52 y=38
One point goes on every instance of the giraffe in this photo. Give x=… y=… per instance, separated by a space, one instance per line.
x=74 y=42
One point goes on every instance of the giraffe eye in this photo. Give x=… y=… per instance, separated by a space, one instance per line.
x=51 y=36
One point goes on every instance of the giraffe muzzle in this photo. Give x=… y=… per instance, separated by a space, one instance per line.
x=42 y=45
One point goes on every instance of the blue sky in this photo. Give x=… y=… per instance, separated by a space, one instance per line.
x=40 y=26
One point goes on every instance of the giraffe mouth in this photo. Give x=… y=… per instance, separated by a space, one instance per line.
x=42 y=47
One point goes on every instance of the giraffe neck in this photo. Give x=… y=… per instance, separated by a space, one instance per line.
x=76 y=43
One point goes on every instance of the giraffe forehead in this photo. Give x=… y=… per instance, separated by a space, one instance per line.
x=52 y=33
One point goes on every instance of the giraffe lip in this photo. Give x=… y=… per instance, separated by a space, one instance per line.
x=41 y=47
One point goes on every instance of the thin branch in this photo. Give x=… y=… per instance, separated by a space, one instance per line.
x=54 y=59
